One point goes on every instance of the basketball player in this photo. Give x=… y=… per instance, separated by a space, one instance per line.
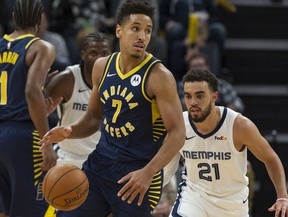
x=215 y=153
x=24 y=64
x=134 y=98
x=227 y=94
x=74 y=84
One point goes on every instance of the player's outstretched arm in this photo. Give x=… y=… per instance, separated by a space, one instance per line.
x=245 y=132
x=55 y=135
x=88 y=123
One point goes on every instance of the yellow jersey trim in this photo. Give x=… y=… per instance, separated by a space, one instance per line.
x=106 y=71
x=144 y=81
x=131 y=72
x=8 y=38
x=30 y=42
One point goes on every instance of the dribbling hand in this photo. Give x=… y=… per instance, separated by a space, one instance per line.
x=55 y=135
x=49 y=157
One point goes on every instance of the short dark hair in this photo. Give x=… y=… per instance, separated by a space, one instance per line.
x=202 y=75
x=133 y=7
x=27 y=13
x=94 y=36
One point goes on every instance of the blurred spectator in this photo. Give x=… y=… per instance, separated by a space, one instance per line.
x=2 y=18
x=62 y=55
x=6 y=23
x=1 y=30
x=71 y=16
x=157 y=45
x=227 y=94
x=48 y=5
x=174 y=21
x=227 y=5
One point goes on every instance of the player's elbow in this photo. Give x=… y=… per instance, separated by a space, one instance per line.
x=180 y=134
x=32 y=93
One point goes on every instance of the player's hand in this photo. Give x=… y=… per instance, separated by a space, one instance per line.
x=138 y=183
x=280 y=208
x=52 y=105
x=55 y=135
x=49 y=157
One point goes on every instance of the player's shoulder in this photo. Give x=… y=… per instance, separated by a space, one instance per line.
x=42 y=45
x=64 y=77
x=102 y=60
x=100 y=64
x=159 y=69
x=243 y=124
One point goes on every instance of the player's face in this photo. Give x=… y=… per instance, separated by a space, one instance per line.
x=198 y=63
x=199 y=100
x=135 y=34
x=93 y=51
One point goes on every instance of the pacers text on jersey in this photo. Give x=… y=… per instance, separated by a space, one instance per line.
x=122 y=92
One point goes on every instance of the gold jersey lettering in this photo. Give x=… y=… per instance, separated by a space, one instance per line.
x=9 y=57
x=14 y=58
x=133 y=105
x=129 y=97
x=107 y=128
x=123 y=92
x=112 y=90
x=118 y=89
x=102 y=100
x=4 y=57
x=106 y=94
x=111 y=131
x=125 y=128
x=129 y=126
x=119 y=92
x=118 y=131
x=124 y=132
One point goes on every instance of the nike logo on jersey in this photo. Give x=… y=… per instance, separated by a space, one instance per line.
x=187 y=138
x=82 y=90
x=110 y=75
x=244 y=201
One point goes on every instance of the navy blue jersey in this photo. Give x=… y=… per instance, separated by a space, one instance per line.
x=132 y=128
x=13 y=77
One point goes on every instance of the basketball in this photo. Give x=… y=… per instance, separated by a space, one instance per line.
x=65 y=187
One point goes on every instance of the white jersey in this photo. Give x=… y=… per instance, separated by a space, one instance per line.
x=214 y=168
x=213 y=164
x=76 y=151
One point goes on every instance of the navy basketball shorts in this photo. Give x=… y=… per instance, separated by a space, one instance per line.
x=102 y=199
x=20 y=173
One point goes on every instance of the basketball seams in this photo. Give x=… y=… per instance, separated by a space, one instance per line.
x=75 y=204
x=59 y=180
x=65 y=187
